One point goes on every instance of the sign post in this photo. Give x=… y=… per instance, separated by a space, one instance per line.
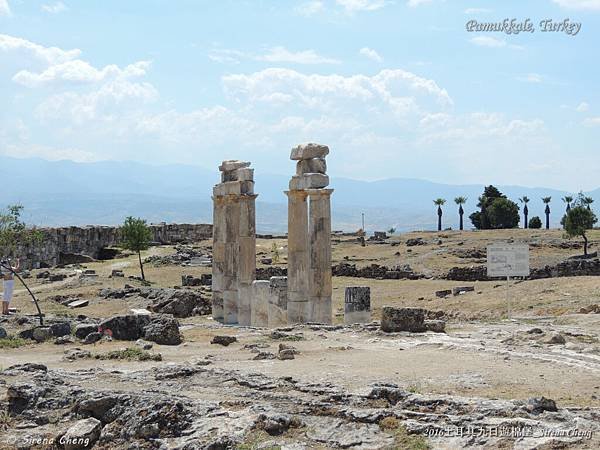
x=508 y=260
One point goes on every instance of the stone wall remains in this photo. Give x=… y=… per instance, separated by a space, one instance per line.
x=58 y=245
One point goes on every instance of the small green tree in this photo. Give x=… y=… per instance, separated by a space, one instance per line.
x=503 y=213
x=577 y=221
x=14 y=235
x=535 y=222
x=136 y=236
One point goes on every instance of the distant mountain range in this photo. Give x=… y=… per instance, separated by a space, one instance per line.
x=59 y=193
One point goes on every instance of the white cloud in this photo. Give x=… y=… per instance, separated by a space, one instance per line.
x=488 y=41
x=415 y=3
x=531 y=78
x=49 y=153
x=281 y=54
x=352 y=6
x=397 y=90
x=471 y=11
x=582 y=107
x=277 y=54
x=49 y=55
x=593 y=5
x=371 y=54
x=78 y=71
x=4 y=8
x=55 y=8
x=592 y=122
x=310 y=8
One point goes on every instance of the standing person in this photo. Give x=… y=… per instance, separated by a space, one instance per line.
x=8 y=283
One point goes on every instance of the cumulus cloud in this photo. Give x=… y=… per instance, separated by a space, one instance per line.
x=48 y=55
x=55 y=8
x=78 y=71
x=371 y=54
x=582 y=5
x=415 y=3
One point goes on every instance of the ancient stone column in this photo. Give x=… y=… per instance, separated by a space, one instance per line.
x=259 y=314
x=232 y=252
x=357 y=305
x=247 y=257
x=278 y=302
x=320 y=255
x=236 y=191
x=298 y=253
x=218 y=257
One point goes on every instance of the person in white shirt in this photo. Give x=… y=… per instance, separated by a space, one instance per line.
x=8 y=283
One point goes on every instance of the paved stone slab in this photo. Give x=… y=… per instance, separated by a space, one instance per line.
x=309 y=151
x=78 y=304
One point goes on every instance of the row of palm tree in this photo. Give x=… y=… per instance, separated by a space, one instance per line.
x=460 y=201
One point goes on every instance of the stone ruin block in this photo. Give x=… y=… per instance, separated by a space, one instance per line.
x=234 y=188
x=357 y=305
x=309 y=181
x=402 y=319
x=314 y=165
x=462 y=289
x=243 y=174
x=259 y=313
x=309 y=151
x=277 y=301
x=233 y=164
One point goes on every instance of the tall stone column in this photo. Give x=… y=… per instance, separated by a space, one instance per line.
x=320 y=255
x=247 y=257
x=232 y=252
x=298 y=257
x=218 y=257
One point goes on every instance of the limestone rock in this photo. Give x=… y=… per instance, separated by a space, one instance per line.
x=556 y=338
x=233 y=164
x=124 y=328
x=3 y=333
x=92 y=338
x=60 y=329
x=163 y=330
x=437 y=326
x=243 y=174
x=286 y=354
x=309 y=181
x=41 y=334
x=64 y=340
x=234 y=188
x=314 y=165
x=263 y=356
x=83 y=329
x=308 y=151
x=223 y=340
x=82 y=435
x=402 y=319
x=537 y=405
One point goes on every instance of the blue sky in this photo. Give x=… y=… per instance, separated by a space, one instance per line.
x=395 y=88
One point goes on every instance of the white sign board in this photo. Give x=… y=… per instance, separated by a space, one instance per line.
x=508 y=260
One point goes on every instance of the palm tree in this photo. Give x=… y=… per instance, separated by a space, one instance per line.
x=439 y=202
x=587 y=201
x=525 y=200
x=460 y=201
x=547 y=201
x=568 y=199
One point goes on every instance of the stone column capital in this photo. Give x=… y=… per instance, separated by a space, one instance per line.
x=296 y=194
x=319 y=192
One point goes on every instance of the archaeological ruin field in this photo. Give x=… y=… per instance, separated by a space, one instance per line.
x=180 y=379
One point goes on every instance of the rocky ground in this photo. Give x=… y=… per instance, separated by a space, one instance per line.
x=490 y=381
